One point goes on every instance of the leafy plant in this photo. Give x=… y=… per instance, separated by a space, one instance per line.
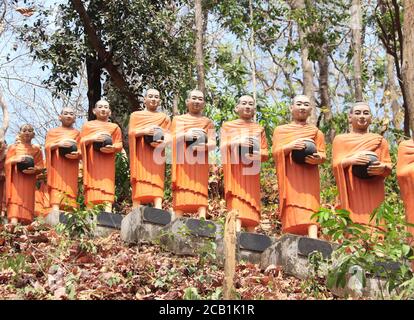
x=374 y=248
x=191 y=293
x=122 y=181
x=80 y=222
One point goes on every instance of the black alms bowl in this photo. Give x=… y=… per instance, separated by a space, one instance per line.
x=158 y=135
x=299 y=155
x=250 y=150
x=200 y=138
x=63 y=151
x=361 y=171
x=107 y=142
x=27 y=163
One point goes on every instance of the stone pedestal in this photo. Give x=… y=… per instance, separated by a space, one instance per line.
x=250 y=246
x=375 y=287
x=107 y=222
x=189 y=236
x=292 y=252
x=53 y=218
x=144 y=224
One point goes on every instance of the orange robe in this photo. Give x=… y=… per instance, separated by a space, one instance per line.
x=42 y=203
x=99 y=167
x=405 y=176
x=359 y=196
x=20 y=187
x=298 y=184
x=241 y=177
x=62 y=173
x=189 y=174
x=147 y=172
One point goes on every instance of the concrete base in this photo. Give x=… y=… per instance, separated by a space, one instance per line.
x=375 y=287
x=144 y=224
x=188 y=236
x=52 y=218
x=250 y=246
x=292 y=252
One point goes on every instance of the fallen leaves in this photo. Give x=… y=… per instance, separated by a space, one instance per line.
x=45 y=265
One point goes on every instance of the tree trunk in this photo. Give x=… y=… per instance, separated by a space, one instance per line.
x=93 y=72
x=103 y=55
x=307 y=67
x=199 y=23
x=356 y=26
x=397 y=114
x=408 y=59
x=326 y=106
x=229 y=255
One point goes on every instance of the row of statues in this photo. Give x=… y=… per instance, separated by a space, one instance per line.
x=361 y=161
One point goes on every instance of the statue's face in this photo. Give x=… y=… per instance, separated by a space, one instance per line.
x=360 y=117
x=102 y=110
x=67 y=117
x=152 y=100
x=26 y=134
x=301 y=108
x=195 y=103
x=246 y=108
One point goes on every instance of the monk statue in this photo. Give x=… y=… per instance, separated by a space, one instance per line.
x=405 y=176
x=298 y=149
x=243 y=147
x=148 y=132
x=3 y=152
x=99 y=141
x=23 y=162
x=361 y=161
x=62 y=162
x=193 y=136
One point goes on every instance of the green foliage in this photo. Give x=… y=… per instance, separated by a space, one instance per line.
x=80 y=222
x=17 y=263
x=314 y=284
x=122 y=180
x=329 y=190
x=207 y=253
x=370 y=248
x=191 y=293
x=165 y=281
x=147 y=40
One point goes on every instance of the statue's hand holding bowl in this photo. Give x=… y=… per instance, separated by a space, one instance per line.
x=30 y=170
x=359 y=159
x=99 y=138
x=18 y=159
x=157 y=143
x=149 y=131
x=298 y=144
x=376 y=169
x=245 y=142
x=255 y=156
x=201 y=147
x=73 y=155
x=108 y=149
x=313 y=159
